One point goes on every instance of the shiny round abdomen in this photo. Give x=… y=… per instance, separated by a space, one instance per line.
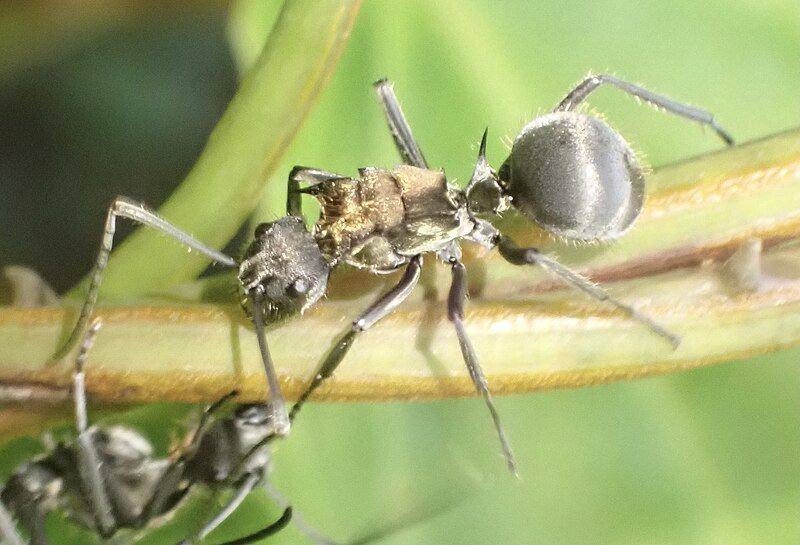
x=575 y=176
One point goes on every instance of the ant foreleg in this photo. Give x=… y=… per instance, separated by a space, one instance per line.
x=272 y=529
x=299 y=174
x=8 y=530
x=245 y=487
x=379 y=309
x=138 y=212
x=89 y=463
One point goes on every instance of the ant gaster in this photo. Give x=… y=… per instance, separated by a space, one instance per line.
x=569 y=172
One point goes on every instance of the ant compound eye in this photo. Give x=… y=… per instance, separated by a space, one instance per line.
x=253 y=414
x=575 y=176
x=299 y=287
x=263 y=229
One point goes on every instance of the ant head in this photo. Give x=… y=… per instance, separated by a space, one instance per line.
x=286 y=265
x=251 y=424
x=575 y=176
x=484 y=194
x=253 y=414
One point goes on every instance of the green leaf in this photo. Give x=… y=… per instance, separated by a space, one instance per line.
x=245 y=147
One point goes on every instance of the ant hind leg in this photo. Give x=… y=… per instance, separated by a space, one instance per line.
x=531 y=256
x=590 y=84
x=455 y=312
x=398 y=125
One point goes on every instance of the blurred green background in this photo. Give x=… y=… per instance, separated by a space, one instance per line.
x=121 y=103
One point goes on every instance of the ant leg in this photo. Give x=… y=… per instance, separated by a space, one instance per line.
x=409 y=152
x=138 y=212
x=18 y=499
x=89 y=464
x=170 y=479
x=455 y=312
x=280 y=418
x=304 y=174
x=245 y=487
x=531 y=256
x=401 y=130
x=202 y=426
x=584 y=88
x=380 y=308
x=299 y=522
x=8 y=530
x=272 y=529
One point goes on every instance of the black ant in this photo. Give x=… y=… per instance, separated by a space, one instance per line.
x=568 y=171
x=108 y=478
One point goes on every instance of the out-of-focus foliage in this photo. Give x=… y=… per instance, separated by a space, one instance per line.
x=705 y=457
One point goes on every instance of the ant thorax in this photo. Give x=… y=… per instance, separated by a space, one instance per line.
x=380 y=221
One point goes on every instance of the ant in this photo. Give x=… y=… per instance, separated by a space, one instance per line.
x=568 y=171
x=108 y=478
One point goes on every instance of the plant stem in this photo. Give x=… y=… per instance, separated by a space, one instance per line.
x=245 y=147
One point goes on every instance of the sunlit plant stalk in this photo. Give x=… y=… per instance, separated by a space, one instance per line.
x=245 y=147
x=185 y=341
x=529 y=339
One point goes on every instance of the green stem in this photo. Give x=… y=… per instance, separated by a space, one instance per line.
x=558 y=340
x=527 y=338
x=246 y=146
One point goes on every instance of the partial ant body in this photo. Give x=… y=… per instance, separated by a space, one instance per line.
x=108 y=478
